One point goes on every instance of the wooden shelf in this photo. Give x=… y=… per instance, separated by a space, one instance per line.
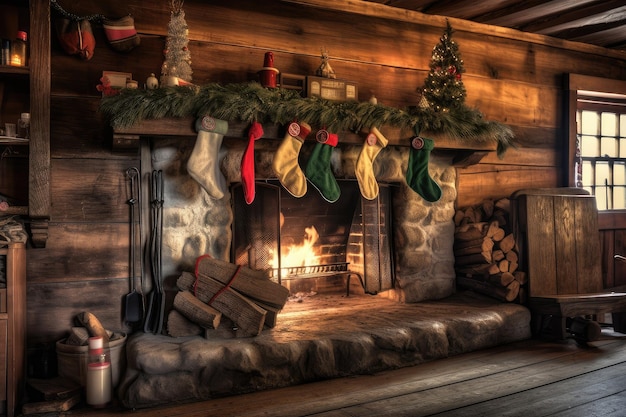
x=8 y=69
x=7 y=140
x=464 y=153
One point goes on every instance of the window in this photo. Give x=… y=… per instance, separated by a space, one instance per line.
x=601 y=146
x=599 y=140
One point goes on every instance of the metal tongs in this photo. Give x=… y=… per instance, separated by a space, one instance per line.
x=156 y=303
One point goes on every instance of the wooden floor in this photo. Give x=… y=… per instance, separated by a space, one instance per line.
x=531 y=379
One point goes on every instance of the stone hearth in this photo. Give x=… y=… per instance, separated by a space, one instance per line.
x=344 y=336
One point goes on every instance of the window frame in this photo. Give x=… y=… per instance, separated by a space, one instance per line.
x=605 y=90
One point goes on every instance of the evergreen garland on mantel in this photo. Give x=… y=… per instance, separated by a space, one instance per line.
x=249 y=102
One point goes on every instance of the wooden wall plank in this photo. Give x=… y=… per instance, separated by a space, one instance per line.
x=67 y=300
x=93 y=190
x=476 y=183
x=81 y=252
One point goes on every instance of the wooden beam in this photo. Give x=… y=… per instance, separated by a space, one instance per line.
x=386 y=12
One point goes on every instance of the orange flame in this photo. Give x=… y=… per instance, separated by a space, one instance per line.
x=303 y=254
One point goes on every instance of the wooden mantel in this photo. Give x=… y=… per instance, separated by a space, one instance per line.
x=465 y=153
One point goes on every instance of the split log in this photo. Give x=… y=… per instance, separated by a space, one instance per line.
x=179 y=326
x=244 y=312
x=473 y=270
x=197 y=311
x=478 y=258
x=494 y=269
x=226 y=330
x=495 y=232
x=498 y=255
x=504 y=204
x=503 y=279
x=462 y=244
x=249 y=282
x=458 y=217
x=507 y=294
x=521 y=277
x=483 y=245
x=93 y=325
x=271 y=317
x=508 y=243
x=487 y=207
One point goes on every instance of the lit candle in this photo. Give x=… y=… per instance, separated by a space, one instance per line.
x=16 y=61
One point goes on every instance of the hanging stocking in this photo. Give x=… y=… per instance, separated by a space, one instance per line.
x=203 y=165
x=417 y=176
x=318 y=170
x=364 y=170
x=285 y=161
x=247 y=162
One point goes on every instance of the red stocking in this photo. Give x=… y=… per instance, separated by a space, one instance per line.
x=247 y=162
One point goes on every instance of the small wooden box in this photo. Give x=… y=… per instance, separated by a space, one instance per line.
x=331 y=89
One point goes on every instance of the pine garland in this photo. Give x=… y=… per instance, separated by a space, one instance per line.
x=248 y=102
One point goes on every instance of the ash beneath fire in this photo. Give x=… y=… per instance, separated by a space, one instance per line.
x=300 y=296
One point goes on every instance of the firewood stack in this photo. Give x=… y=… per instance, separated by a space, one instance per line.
x=225 y=301
x=486 y=254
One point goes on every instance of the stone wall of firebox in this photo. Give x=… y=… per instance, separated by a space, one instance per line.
x=195 y=224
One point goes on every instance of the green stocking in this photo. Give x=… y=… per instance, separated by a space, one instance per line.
x=318 y=170
x=417 y=176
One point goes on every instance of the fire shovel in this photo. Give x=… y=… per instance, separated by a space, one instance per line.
x=133 y=303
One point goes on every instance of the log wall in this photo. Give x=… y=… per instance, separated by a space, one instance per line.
x=511 y=77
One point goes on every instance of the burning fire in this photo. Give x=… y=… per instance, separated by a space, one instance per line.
x=300 y=255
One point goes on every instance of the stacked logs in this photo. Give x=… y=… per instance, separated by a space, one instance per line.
x=224 y=300
x=486 y=253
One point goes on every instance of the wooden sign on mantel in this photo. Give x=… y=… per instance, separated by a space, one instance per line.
x=465 y=152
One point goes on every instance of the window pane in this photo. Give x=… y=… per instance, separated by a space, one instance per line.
x=603 y=181
x=619 y=180
x=589 y=122
x=589 y=146
x=609 y=124
x=608 y=146
x=587 y=174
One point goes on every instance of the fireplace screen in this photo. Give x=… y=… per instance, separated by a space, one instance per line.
x=297 y=238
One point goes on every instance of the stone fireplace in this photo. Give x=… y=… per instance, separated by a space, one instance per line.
x=415 y=264
x=416 y=316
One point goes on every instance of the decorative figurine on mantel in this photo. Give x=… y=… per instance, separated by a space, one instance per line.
x=325 y=70
x=176 y=68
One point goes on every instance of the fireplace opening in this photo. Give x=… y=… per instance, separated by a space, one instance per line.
x=312 y=246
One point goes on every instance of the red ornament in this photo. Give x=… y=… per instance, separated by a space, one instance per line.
x=452 y=69
x=458 y=76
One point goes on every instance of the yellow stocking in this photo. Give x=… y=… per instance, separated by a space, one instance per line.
x=364 y=170
x=285 y=163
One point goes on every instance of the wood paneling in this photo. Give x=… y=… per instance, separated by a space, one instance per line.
x=103 y=298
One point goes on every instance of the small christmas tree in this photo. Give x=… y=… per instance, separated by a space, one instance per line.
x=177 y=56
x=443 y=88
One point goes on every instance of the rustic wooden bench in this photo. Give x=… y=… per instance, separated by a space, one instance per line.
x=559 y=242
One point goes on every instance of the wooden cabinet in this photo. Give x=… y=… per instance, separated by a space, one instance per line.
x=13 y=328
x=25 y=166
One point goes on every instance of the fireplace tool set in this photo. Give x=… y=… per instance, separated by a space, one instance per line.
x=134 y=308
x=156 y=299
